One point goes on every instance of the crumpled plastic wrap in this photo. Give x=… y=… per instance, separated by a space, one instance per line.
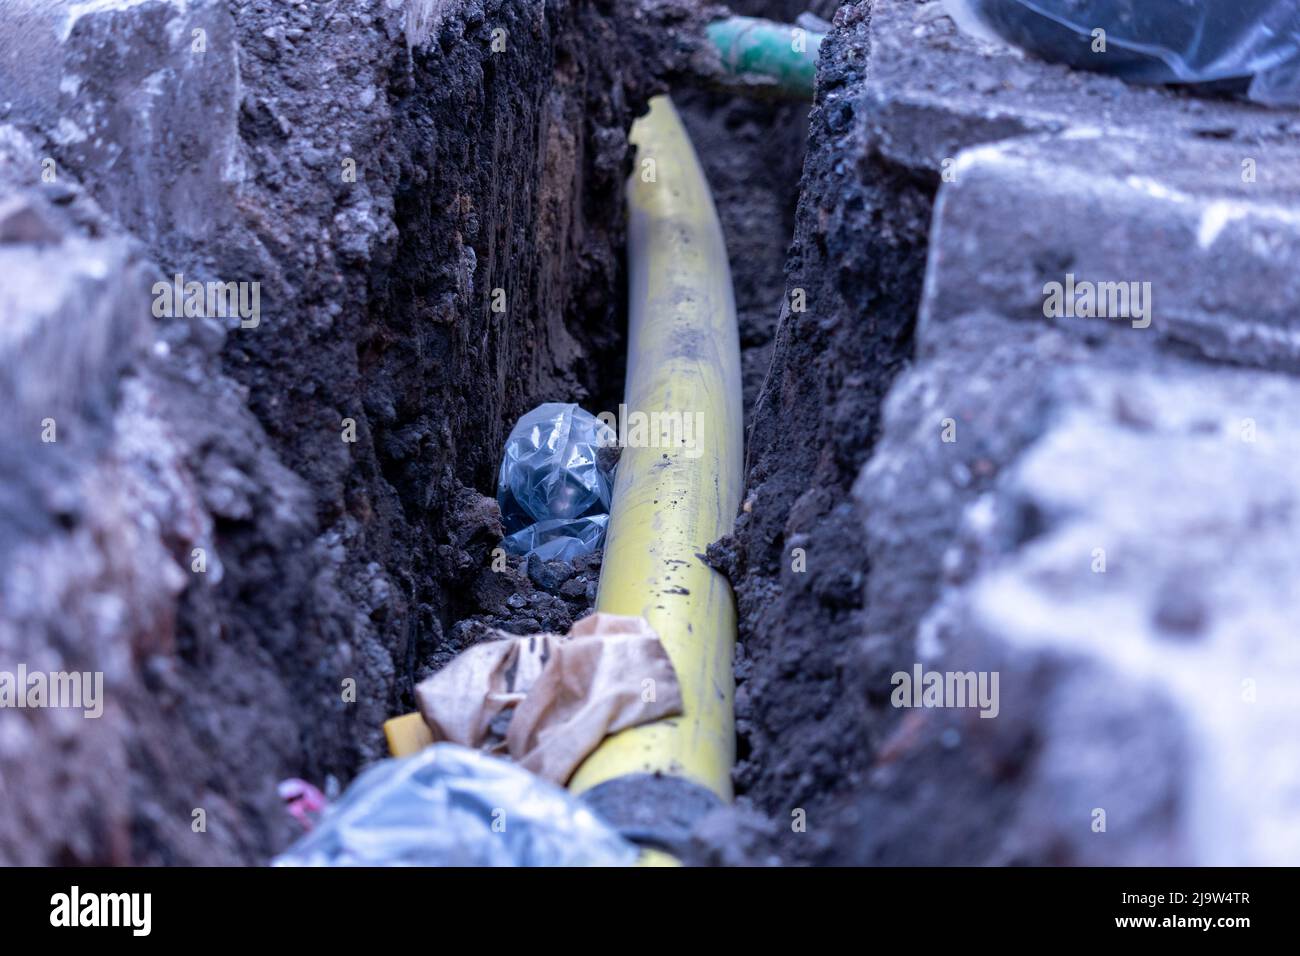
x=451 y=806
x=554 y=493
x=1245 y=45
x=559 y=539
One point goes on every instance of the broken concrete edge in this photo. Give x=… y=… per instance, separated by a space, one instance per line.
x=1002 y=572
x=1091 y=534
x=1229 y=211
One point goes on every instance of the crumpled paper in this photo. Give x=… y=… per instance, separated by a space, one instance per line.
x=548 y=700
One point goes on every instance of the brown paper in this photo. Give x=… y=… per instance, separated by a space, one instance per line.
x=549 y=700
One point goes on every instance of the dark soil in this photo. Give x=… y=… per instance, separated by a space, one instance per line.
x=525 y=596
x=506 y=174
x=339 y=561
x=751 y=152
x=806 y=729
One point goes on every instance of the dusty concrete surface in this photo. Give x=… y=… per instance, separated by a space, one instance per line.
x=255 y=585
x=1123 y=526
x=1014 y=453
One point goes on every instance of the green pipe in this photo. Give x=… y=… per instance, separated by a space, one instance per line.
x=767 y=55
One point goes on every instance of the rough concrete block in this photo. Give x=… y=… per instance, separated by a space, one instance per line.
x=142 y=101
x=1190 y=242
x=933 y=91
x=1115 y=538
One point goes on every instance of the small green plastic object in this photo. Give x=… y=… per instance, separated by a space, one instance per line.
x=766 y=53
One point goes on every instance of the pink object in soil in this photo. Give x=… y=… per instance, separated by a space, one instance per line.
x=304 y=801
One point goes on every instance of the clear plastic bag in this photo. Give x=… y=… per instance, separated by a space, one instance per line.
x=559 y=539
x=553 y=491
x=452 y=806
x=1251 y=46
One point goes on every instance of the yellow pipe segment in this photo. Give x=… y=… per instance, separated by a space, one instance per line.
x=677 y=491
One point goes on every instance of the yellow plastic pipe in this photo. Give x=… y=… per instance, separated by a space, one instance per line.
x=407 y=734
x=670 y=502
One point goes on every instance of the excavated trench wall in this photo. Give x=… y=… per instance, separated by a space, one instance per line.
x=942 y=475
x=253 y=530
x=798 y=558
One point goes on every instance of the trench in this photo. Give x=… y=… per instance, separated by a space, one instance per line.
x=343 y=571
x=752 y=153
x=805 y=732
x=261 y=536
